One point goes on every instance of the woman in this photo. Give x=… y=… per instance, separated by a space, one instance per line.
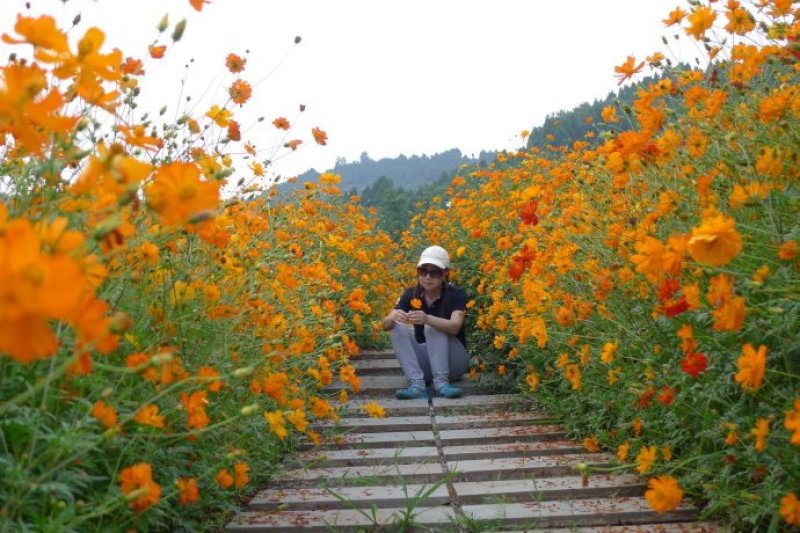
x=434 y=349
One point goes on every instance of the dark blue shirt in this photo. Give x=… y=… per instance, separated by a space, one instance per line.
x=451 y=299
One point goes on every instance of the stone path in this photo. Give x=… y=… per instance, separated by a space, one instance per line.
x=477 y=463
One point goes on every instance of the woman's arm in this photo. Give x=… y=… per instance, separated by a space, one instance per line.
x=451 y=325
x=394 y=316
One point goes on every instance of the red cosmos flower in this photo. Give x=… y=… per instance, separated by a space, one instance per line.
x=646 y=398
x=668 y=288
x=694 y=364
x=520 y=262
x=528 y=213
x=676 y=308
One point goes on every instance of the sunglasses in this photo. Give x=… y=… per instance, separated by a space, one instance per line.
x=430 y=272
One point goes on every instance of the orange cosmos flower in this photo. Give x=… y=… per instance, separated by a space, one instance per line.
x=751 y=367
x=788 y=250
x=792 y=423
x=650 y=258
x=532 y=379
x=663 y=493
x=740 y=21
x=716 y=241
x=148 y=416
x=622 y=452
x=29 y=114
x=591 y=444
x=157 y=51
x=224 y=479
x=675 y=17
x=234 y=133
x=178 y=192
x=730 y=315
x=645 y=459
x=240 y=471
x=105 y=414
x=235 y=63
x=760 y=432
x=208 y=372
x=240 y=92
x=790 y=509
x=198 y=4
x=188 y=490
x=701 y=20
x=281 y=123
x=293 y=144
x=503 y=243
x=136 y=482
x=42 y=33
x=628 y=69
x=320 y=136
x=132 y=67
x=416 y=303
x=195 y=405
x=35 y=288
x=298 y=419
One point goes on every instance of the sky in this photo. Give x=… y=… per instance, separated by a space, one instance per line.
x=384 y=77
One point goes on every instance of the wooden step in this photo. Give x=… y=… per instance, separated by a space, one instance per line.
x=542 y=432
x=373 y=474
x=524 y=467
x=511 y=449
x=368 y=456
x=546 y=489
x=416 y=423
x=596 y=512
x=347 y=497
x=367 y=367
x=392 y=406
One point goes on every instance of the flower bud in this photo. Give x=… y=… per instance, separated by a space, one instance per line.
x=177 y=33
x=202 y=216
x=163 y=24
x=243 y=372
x=161 y=358
x=120 y=323
x=249 y=410
x=776 y=310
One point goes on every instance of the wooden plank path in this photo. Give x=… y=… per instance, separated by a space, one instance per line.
x=478 y=463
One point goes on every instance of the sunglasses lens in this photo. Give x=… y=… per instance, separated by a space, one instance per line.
x=433 y=273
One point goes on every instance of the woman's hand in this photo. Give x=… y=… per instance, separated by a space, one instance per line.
x=417 y=317
x=399 y=316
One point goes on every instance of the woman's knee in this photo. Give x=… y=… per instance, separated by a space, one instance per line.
x=432 y=332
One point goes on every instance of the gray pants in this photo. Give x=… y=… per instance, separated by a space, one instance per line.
x=440 y=360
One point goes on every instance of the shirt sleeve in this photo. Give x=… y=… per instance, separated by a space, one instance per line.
x=404 y=302
x=458 y=300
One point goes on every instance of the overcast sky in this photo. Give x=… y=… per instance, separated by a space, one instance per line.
x=384 y=77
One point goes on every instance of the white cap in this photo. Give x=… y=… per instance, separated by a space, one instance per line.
x=435 y=255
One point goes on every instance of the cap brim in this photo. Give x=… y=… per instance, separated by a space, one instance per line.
x=432 y=261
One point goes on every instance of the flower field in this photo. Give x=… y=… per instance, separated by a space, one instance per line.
x=168 y=322
x=645 y=286
x=165 y=333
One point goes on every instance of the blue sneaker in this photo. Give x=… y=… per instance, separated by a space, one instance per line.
x=449 y=391
x=412 y=392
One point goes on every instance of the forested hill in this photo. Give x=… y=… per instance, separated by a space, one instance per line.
x=565 y=127
x=410 y=171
